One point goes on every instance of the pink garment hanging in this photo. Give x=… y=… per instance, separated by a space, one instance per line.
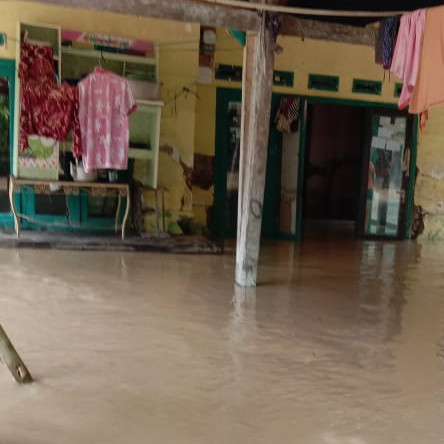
x=429 y=89
x=105 y=102
x=407 y=55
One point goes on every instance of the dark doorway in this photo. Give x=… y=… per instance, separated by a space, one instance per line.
x=335 y=135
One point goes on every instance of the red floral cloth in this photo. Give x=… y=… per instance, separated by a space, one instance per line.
x=46 y=108
x=29 y=54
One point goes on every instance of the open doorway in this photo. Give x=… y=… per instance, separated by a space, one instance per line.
x=335 y=135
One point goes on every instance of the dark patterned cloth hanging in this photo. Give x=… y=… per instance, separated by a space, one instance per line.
x=287 y=117
x=386 y=41
x=46 y=108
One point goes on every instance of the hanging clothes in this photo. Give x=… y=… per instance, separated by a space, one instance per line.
x=29 y=54
x=407 y=54
x=46 y=108
x=287 y=117
x=105 y=102
x=429 y=89
x=386 y=41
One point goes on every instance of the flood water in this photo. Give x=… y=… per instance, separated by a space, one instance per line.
x=341 y=343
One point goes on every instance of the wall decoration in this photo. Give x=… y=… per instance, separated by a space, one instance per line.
x=207 y=49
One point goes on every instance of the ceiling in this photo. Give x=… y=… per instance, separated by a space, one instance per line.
x=363 y=5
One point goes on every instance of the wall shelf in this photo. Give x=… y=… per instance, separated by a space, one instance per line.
x=66 y=50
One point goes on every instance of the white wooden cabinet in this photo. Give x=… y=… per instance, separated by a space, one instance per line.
x=145 y=129
x=74 y=63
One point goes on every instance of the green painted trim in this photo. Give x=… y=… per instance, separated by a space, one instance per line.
x=6 y=220
x=272 y=193
x=284 y=79
x=351 y=102
x=397 y=91
x=362 y=86
x=286 y=237
x=233 y=73
x=412 y=178
x=223 y=96
x=96 y=223
x=27 y=197
x=239 y=35
x=322 y=82
x=7 y=69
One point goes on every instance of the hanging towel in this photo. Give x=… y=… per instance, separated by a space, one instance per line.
x=406 y=58
x=429 y=89
x=386 y=40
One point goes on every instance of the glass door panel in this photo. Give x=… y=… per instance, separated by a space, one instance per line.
x=388 y=167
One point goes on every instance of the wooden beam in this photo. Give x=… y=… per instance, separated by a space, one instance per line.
x=179 y=10
x=257 y=89
x=335 y=32
x=12 y=360
x=224 y=16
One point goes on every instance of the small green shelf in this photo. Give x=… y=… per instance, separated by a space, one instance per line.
x=138 y=153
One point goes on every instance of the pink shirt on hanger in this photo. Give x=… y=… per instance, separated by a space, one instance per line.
x=105 y=102
x=429 y=89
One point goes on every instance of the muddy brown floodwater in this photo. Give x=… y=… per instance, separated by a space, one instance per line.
x=341 y=343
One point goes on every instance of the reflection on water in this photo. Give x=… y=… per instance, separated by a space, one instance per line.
x=340 y=343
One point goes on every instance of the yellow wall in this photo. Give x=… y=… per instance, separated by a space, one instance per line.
x=176 y=69
x=189 y=125
x=430 y=183
x=348 y=62
x=301 y=57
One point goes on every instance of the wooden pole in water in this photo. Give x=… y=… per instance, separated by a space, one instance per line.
x=12 y=360
x=257 y=88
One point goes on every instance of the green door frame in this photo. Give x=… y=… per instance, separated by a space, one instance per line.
x=7 y=69
x=356 y=103
x=271 y=199
x=220 y=194
x=223 y=96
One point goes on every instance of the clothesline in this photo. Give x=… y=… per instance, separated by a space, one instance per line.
x=410 y=47
x=265 y=7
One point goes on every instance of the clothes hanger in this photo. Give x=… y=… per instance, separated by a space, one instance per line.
x=101 y=59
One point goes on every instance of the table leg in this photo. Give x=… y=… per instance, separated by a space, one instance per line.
x=163 y=211
x=156 y=199
x=13 y=208
x=125 y=218
x=119 y=205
